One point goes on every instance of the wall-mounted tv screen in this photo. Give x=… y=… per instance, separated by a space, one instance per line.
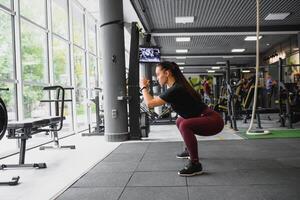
x=149 y=54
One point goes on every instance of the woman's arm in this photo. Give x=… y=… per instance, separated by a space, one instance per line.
x=149 y=99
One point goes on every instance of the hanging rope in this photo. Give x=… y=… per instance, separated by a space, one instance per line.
x=249 y=132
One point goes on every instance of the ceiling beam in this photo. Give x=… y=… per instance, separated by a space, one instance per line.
x=209 y=55
x=213 y=31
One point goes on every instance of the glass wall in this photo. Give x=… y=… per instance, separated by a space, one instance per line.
x=40 y=48
x=7 y=70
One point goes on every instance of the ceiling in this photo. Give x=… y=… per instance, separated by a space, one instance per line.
x=219 y=26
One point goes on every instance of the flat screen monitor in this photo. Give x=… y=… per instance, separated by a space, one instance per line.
x=149 y=54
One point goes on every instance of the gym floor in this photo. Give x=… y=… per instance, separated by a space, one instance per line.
x=234 y=169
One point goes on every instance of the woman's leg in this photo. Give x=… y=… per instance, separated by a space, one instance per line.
x=210 y=123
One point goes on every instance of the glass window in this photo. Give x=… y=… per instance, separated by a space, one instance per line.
x=61 y=62
x=78 y=26
x=92 y=37
x=81 y=108
x=6 y=3
x=34 y=10
x=6 y=47
x=32 y=95
x=92 y=71
x=9 y=99
x=60 y=17
x=79 y=65
x=34 y=53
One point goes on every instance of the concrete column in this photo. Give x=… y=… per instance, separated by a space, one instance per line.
x=113 y=61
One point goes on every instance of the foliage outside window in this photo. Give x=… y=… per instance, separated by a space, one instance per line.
x=78 y=25
x=6 y=47
x=60 y=17
x=34 y=53
x=92 y=71
x=61 y=62
x=92 y=37
x=32 y=95
x=5 y=3
x=79 y=66
x=34 y=10
x=9 y=100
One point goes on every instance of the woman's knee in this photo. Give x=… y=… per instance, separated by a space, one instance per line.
x=178 y=121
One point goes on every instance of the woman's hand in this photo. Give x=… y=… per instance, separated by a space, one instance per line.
x=144 y=83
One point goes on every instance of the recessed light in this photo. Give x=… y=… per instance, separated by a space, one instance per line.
x=268 y=44
x=246 y=71
x=211 y=71
x=181 y=71
x=220 y=63
x=183 y=39
x=180 y=57
x=252 y=38
x=182 y=50
x=180 y=63
x=182 y=68
x=215 y=67
x=277 y=16
x=184 y=20
x=237 y=50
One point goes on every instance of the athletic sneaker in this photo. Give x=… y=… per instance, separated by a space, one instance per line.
x=184 y=155
x=191 y=169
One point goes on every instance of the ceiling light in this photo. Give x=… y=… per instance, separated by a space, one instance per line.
x=211 y=71
x=277 y=16
x=180 y=63
x=227 y=56
x=183 y=39
x=181 y=71
x=184 y=20
x=215 y=67
x=220 y=63
x=268 y=44
x=237 y=50
x=181 y=57
x=182 y=68
x=182 y=50
x=246 y=71
x=252 y=38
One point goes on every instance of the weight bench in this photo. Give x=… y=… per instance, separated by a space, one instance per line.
x=24 y=130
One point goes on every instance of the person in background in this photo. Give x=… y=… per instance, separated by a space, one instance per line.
x=195 y=117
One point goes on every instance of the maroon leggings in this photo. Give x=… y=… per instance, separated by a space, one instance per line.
x=207 y=124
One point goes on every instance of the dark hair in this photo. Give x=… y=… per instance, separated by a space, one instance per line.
x=179 y=78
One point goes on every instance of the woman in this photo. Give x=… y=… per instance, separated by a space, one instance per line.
x=195 y=116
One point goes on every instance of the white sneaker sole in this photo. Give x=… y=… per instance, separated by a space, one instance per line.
x=193 y=174
x=183 y=157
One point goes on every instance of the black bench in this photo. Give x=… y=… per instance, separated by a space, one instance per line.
x=24 y=130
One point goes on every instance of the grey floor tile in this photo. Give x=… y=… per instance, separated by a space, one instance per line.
x=224 y=193
x=290 y=162
x=156 y=179
x=114 y=167
x=247 y=177
x=280 y=192
x=118 y=157
x=157 y=165
x=106 y=179
x=91 y=194
x=161 y=156
x=236 y=164
x=132 y=148
x=155 y=193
